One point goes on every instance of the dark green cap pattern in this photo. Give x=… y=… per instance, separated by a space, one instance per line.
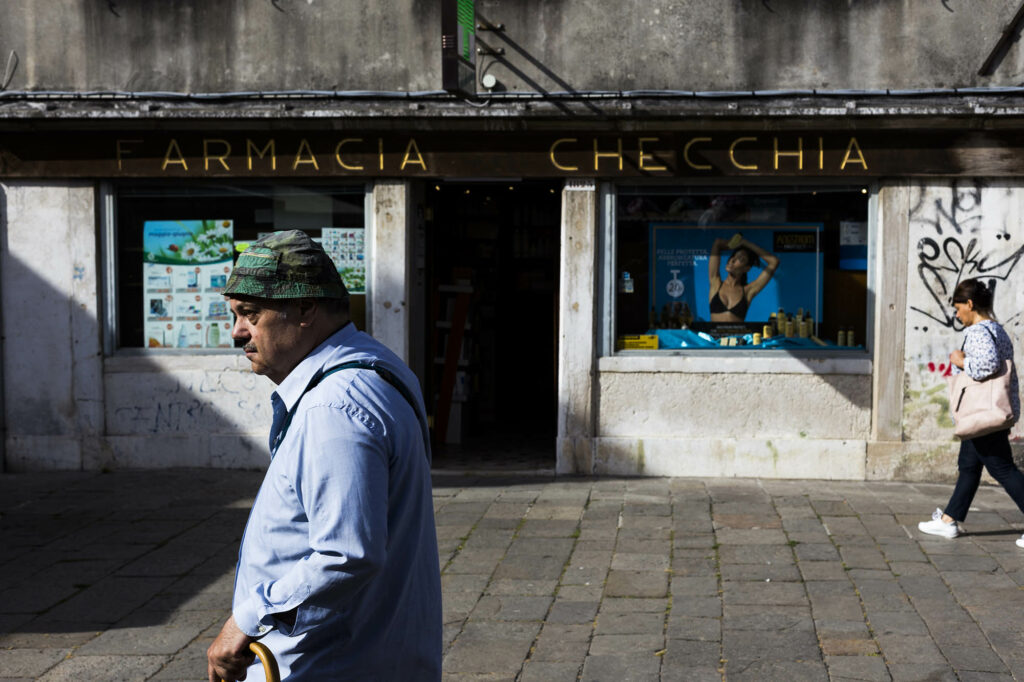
x=286 y=264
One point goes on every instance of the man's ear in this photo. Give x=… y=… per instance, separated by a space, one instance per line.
x=308 y=308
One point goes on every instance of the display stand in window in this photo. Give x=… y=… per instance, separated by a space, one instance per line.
x=347 y=248
x=185 y=268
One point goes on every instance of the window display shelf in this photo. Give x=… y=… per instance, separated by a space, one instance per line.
x=669 y=339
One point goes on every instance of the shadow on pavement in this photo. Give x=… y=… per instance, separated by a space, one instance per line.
x=94 y=551
x=91 y=551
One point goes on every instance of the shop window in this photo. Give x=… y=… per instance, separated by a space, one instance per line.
x=740 y=268
x=174 y=246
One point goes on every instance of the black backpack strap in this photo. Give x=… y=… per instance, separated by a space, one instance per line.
x=384 y=373
x=388 y=376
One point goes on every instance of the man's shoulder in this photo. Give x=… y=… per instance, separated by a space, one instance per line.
x=362 y=344
x=333 y=408
x=354 y=384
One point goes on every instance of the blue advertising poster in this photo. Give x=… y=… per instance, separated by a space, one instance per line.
x=185 y=265
x=679 y=267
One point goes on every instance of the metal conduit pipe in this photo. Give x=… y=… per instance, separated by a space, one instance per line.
x=560 y=95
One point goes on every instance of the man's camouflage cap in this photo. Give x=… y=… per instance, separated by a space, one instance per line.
x=286 y=264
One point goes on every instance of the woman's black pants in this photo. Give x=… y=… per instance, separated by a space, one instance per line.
x=993 y=453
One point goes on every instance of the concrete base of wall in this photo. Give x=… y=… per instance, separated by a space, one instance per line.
x=67 y=453
x=43 y=453
x=928 y=461
x=775 y=458
x=932 y=462
x=574 y=456
x=203 y=451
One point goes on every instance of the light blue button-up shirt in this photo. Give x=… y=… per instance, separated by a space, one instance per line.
x=342 y=529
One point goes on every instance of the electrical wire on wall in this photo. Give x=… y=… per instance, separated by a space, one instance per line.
x=86 y=95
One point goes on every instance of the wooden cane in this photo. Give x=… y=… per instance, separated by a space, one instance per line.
x=270 y=669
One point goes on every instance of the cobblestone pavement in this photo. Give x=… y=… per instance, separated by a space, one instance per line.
x=127 y=576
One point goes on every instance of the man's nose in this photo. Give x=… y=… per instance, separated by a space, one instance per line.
x=238 y=330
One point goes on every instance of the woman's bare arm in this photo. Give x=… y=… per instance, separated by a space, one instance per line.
x=771 y=263
x=714 y=266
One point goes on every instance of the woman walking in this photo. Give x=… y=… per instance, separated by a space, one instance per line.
x=986 y=348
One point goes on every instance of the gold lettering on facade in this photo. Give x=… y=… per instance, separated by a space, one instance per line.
x=849 y=151
x=304 y=146
x=650 y=154
x=250 y=148
x=121 y=151
x=799 y=153
x=551 y=154
x=686 y=154
x=644 y=155
x=409 y=148
x=221 y=158
x=177 y=159
x=337 y=153
x=732 y=153
x=614 y=155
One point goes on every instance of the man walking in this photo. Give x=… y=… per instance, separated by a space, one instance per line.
x=338 y=569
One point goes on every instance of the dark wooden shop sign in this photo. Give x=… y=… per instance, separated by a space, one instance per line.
x=355 y=154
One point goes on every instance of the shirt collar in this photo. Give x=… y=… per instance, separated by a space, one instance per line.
x=294 y=385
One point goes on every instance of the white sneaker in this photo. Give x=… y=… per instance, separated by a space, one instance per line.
x=1020 y=541
x=947 y=530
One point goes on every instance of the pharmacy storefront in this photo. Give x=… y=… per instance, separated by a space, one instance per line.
x=726 y=300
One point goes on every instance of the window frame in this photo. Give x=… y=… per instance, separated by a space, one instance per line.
x=107 y=197
x=825 y=361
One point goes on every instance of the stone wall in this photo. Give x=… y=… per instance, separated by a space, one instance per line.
x=65 y=405
x=201 y=46
x=769 y=417
x=51 y=363
x=958 y=230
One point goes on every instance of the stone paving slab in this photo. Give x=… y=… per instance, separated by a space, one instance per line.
x=128 y=575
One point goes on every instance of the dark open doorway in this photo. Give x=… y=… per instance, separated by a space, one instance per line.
x=492 y=282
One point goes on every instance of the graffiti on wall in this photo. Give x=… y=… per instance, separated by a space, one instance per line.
x=213 y=401
x=953 y=250
x=958 y=230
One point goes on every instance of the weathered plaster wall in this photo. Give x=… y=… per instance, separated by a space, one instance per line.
x=184 y=410
x=199 y=46
x=66 y=407
x=231 y=45
x=69 y=407
x=52 y=367
x=576 y=319
x=958 y=230
x=389 y=261
x=734 y=405
x=733 y=424
x=723 y=456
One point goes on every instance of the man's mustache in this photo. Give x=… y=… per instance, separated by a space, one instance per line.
x=249 y=348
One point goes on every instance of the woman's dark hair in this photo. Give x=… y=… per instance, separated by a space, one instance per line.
x=976 y=291
x=752 y=259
